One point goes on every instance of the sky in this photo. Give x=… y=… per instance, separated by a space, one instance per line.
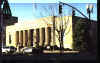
x=52 y=1
x=25 y=9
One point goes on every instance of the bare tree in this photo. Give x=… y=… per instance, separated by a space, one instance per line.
x=59 y=27
x=61 y=30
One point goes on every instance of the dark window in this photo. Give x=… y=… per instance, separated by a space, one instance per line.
x=49 y=35
x=31 y=36
x=37 y=35
x=26 y=37
x=9 y=39
x=43 y=35
x=21 y=38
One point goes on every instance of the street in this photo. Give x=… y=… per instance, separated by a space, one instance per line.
x=48 y=57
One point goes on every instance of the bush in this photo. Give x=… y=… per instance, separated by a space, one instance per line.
x=68 y=49
x=37 y=50
x=79 y=35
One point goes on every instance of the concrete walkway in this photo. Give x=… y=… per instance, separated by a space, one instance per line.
x=57 y=51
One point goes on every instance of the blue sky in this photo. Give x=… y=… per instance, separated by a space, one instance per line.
x=52 y=1
x=25 y=9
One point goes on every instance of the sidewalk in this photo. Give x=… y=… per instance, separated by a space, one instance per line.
x=57 y=51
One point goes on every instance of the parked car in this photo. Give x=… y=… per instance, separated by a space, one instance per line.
x=68 y=49
x=27 y=50
x=13 y=48
x=31 y=50
x=55 y=47
x=7 y=49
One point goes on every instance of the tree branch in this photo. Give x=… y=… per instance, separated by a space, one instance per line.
x=68 y=30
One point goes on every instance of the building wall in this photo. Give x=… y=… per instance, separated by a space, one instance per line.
x=39 y=31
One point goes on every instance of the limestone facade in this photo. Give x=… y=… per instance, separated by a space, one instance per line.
x=38 y=32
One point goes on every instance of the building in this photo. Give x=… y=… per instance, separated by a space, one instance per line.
x=30 y=32
x=41 y=31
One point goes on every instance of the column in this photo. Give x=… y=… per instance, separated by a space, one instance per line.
x=30 y=37
x=21 y=38
x=49 y=35
x=34 y=38
x=51 y=43
x=32 y=31
x=41 y=38
x=25 y=38
x=37 y=37
x=46 y=36
x=17 y=38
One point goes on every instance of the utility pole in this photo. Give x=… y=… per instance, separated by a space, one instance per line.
x=89 y=11
x=74 y=9
x=61 y=28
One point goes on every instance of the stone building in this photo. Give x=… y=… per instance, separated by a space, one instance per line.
x=40 y=31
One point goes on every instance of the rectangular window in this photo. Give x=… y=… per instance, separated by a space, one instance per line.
x=37 y=35
x=26 y=37
x=31 y=36
x=21 y=37
x=49 y=35
x=43 y=34
x=9 y=39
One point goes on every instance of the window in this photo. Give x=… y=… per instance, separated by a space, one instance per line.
x=43 y=34
x=26 y=37
x=37 y=35
x=31 y=36
x=9 y=39
x=49 y=35
x=21 y=37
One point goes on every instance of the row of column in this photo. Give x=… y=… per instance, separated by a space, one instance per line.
x=31 y=37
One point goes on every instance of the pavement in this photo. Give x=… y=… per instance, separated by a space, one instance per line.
x=53 y=56
x=73 y=56
x=58 y=51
